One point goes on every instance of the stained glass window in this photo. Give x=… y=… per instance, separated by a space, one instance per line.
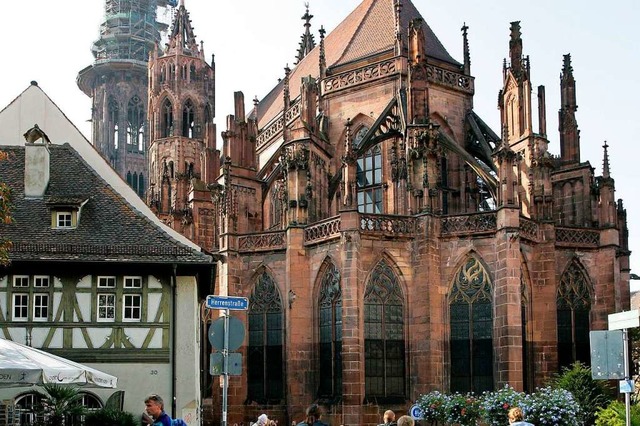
x=471 y=332
x=330 y=320
x=384 y=335
x=265 y=351
x=573 y=307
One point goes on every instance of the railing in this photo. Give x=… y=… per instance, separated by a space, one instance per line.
x=528 y=229
x=322 y=231
x=262 y=242
x=577 y=237
x=452 y=79
x=474 y=223
x=273 y=128
x=359 y=76
x=388 y=225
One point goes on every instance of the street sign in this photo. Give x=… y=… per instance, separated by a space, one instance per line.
x=628 y=319
x=217 y=364
x=236 y=333
x=607 y=354
x=233 y=303
x=416 y=412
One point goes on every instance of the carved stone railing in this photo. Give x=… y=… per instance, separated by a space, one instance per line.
x=273 y=128
x=359 y=76
x=452 y=79
x=469 y=224
x=322 y=231
x=577 y=237
x=389 y=225
x=262 y=242
x=528 y=229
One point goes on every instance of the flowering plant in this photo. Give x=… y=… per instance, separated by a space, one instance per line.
x=551 y=407
x=432 y=405
x=462 y=409
x=494 y=406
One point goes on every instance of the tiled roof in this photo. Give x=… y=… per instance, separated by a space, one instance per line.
x=109 y=228
x=368 y=30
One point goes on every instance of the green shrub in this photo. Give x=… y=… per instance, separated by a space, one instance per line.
x=109 y=417
x=432 y=405
x=589 y=393
x=614 y=415
x=462 y=409
x=551 y=407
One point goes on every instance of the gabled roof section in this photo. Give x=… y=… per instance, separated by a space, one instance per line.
x=108 y=229
x=367 y=31
x=34 y=106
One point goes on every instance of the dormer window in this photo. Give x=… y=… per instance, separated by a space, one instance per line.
x=63 y=219
x=65 y=211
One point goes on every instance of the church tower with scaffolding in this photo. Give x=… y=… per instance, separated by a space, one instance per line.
x=117 y=84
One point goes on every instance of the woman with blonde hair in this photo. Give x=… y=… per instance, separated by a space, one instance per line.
x=516 y=417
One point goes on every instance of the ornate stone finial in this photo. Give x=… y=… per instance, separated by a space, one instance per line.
x=287 y=97
x=465 y=49
x=322 y=58
x=397 y=5
x=605 y=162
x=307 y=42
x=567 y=69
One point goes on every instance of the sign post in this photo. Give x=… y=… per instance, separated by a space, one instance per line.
x=226 y=303
x=625 y=320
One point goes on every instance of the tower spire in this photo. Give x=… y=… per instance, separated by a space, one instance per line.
x=465 y=49
x=322 y=58
x=515 y=49
x=606 y=173
x=397 y=7
x=567 y=124
x=307 y=42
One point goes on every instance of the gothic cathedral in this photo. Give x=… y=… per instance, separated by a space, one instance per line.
x=389 y=241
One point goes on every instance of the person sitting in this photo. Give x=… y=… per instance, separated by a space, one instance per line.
x=388 y=419
x=516 y=417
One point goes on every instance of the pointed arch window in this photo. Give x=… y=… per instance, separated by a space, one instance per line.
x=193 y=75
x=134 y=182
x=114 y=113
x=207 y=114
x=135 y=124
x=141 y=185
x=129 y=179
x=183 y=72
x=384 y=335
x=369 y=177
x=163 y=74
x=265 y=369
x=330 y=333
x=573 y=308
x=471 y=329
x=188 y=119
x=167 y=119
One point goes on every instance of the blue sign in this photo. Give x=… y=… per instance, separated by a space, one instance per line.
x=233 y=303
x=416 y=412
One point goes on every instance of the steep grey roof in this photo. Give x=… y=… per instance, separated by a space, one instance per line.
x=109 y=228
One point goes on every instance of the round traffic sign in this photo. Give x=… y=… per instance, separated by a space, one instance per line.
x=236 y=333
x=416 y=412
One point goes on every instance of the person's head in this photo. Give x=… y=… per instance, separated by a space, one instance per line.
x=515 y=415
x=262 y=420
x=154 y=405
x=389 y=416
x=406 y=421
x=313 y=414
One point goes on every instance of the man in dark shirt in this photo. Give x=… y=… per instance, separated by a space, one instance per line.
x=155 y=409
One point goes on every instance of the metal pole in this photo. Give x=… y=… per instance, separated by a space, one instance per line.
x=627 y=395
x=225 y=368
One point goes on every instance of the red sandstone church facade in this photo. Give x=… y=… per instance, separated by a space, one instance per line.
x=390 y=242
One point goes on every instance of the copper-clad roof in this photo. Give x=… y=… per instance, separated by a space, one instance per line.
x=367 y=31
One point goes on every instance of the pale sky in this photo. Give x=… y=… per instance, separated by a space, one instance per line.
x=253 y=40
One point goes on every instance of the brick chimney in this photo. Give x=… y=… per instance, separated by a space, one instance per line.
x=36 y=163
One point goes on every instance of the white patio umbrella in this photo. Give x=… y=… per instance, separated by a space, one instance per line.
x=22 y=365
